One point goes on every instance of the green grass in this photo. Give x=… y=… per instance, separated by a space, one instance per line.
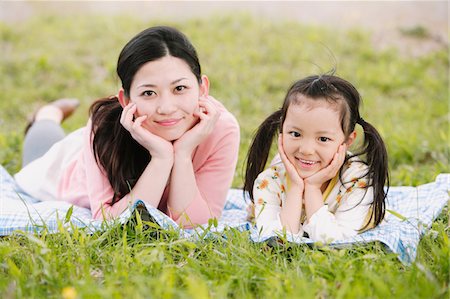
x=250 y=63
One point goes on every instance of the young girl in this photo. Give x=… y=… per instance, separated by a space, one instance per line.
x=162 y=139
x=314 y=185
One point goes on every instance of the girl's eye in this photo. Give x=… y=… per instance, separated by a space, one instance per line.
x=148 y=93
x=294 y=134
x=180 y=88
x=324 y=139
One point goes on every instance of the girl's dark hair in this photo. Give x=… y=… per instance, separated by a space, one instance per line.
x=122 y=158
x=334 y=90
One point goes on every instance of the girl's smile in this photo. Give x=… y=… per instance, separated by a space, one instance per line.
x=306 y=163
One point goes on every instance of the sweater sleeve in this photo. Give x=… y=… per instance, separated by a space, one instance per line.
x=214 y=174
x=99 y=190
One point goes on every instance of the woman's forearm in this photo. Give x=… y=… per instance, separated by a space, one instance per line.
x=151 y=184
x=183 y=187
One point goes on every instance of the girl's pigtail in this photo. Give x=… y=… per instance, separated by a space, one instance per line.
x=260 y=148
x=377 y=160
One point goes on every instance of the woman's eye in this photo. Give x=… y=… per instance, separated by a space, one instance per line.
x=148 y=93
x=180 y=88
x=294 y=134
x=324 y=139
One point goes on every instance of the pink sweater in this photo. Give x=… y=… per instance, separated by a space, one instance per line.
x=83 y=183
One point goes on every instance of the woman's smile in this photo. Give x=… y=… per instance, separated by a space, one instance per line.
x=170 y=122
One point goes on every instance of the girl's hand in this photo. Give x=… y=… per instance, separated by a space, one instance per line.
x=329 y=172
x=208 y=115
x=292 y=173
x=157 y=146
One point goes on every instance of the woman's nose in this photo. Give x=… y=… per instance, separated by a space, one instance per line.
x=166 y=105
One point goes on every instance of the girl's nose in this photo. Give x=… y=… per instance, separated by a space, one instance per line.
x=306 y=148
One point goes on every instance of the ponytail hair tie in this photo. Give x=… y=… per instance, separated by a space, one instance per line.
x=360 y=121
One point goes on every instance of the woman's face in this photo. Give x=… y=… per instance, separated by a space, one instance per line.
x=167 y=92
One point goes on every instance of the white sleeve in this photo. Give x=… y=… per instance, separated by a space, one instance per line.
x=267 y=195
x=345 y=222
x=267 y=204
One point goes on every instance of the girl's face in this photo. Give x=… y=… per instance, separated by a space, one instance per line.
x=167 y=92
x=312 y=134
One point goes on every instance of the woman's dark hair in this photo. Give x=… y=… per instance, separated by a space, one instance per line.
x=334 y=90
x=122 y=158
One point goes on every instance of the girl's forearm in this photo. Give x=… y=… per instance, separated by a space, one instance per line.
x=292 y=209
x=313 y=200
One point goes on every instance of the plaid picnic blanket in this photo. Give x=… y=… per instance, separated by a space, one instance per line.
x=410 y=212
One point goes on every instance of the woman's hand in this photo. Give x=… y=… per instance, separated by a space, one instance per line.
x=157 y=146
x=291 y=171
x=208 y=116
x=329 y=172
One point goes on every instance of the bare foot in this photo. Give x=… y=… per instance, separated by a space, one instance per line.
x=49 y=112
x=56 y=111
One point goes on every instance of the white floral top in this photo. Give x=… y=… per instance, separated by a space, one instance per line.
x=346 y=206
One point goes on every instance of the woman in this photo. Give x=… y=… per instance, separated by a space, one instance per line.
x=162 y=139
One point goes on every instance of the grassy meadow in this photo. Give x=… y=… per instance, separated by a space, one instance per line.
x=251 y=63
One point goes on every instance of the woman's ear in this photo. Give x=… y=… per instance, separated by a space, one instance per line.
x=204 y=86
x=123 y=100
x=351 y=138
